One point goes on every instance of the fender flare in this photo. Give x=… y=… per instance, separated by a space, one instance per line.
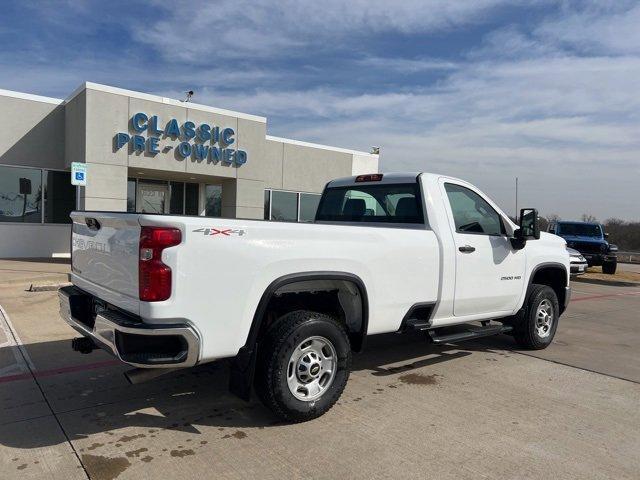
x=541 y=266
x=280 y=282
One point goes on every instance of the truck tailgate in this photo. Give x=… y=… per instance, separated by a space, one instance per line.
x=104 y=253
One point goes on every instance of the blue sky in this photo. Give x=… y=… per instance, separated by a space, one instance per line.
x=486 y=90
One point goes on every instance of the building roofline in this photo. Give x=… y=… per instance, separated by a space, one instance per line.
x=165 y=100
x=170 y=101
x=29 y=96
x=320 y=146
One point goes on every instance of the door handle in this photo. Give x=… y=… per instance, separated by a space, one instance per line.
x=467 y=249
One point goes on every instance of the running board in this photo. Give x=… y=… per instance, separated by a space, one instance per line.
x=470 y=332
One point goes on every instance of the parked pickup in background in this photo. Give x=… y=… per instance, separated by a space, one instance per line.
x=288 y=303
x=590 y=240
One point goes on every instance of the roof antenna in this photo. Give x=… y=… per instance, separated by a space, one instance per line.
x=189 y=95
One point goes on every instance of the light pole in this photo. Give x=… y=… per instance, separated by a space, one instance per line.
x=516 y=199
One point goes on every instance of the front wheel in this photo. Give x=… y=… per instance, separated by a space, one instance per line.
x=537 y=327
x=609 y=267
x=303 y=365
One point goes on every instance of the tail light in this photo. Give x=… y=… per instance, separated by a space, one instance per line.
x=154 y=277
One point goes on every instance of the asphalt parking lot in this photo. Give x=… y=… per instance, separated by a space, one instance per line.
x=410 y=410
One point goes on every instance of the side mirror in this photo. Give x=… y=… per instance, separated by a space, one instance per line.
x=529 y=224
x=518 y=241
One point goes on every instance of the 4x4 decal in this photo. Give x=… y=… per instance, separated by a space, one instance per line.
x=227 y=232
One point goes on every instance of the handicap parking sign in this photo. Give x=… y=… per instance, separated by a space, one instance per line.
x=79 y=174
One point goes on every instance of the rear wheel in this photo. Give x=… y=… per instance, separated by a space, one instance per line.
x=537 y=327
x=303 y=365
x=609 y=267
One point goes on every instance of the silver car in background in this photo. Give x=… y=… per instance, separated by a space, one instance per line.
x=578 y=262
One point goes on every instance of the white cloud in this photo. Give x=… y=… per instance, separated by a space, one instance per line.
x=201 y=31
x=566 y=125
x=599 y=28
x=407 y=65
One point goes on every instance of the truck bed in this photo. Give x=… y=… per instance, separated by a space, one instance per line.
x=222 y=267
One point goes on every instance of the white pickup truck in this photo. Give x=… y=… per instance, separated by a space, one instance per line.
x=290 y=302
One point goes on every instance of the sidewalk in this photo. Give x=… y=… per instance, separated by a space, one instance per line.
x=27 y=271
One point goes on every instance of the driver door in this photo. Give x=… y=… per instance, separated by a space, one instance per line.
x=489 y=272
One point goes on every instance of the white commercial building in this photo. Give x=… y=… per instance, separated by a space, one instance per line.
x=151 y=154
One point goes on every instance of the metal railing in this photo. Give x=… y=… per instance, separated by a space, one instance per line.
x=628 y=257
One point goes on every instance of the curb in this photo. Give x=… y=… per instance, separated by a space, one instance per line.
x=38 y=279
x=47 y=287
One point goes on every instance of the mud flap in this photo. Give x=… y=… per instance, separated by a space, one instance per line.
x=242 y=373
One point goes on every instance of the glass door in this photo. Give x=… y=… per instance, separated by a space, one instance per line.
x=213 y=200
x=152 y=197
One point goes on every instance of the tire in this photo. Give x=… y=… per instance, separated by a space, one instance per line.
x=609 y=267
x=529 y=331
x=283 y=365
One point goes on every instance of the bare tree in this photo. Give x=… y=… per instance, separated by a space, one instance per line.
x=624 y=234
x=553 y=217
x=588 y=218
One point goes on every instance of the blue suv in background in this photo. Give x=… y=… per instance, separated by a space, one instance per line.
x=590 y=240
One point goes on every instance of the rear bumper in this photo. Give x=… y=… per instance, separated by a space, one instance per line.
x=132 y=341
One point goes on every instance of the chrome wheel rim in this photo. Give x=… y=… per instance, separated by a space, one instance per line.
x=544 y=318
x=311 y=368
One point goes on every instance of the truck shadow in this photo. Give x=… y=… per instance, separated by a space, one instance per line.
x=99 y=402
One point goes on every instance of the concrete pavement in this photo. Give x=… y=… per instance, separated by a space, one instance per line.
x=630 y=267
x=410 y=410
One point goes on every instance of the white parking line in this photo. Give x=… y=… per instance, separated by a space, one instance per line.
x=25 y=363
x=13 y=340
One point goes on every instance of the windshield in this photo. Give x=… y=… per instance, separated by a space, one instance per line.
x=580 y=229
x=385 y=203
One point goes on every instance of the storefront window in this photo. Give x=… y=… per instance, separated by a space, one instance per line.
x=59 y=197
x=267 y=204
x=308 y=206
x=153 y=196
x=213 y=196
x=284 y=206
x=183 y=197
x=176 y=206
x=20 y=195
x=191 y=199
x=131 y=195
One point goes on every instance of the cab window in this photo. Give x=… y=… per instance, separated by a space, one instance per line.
x=386 y=203
x=472 y=213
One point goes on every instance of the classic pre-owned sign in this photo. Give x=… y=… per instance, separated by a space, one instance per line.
x=202 y=142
